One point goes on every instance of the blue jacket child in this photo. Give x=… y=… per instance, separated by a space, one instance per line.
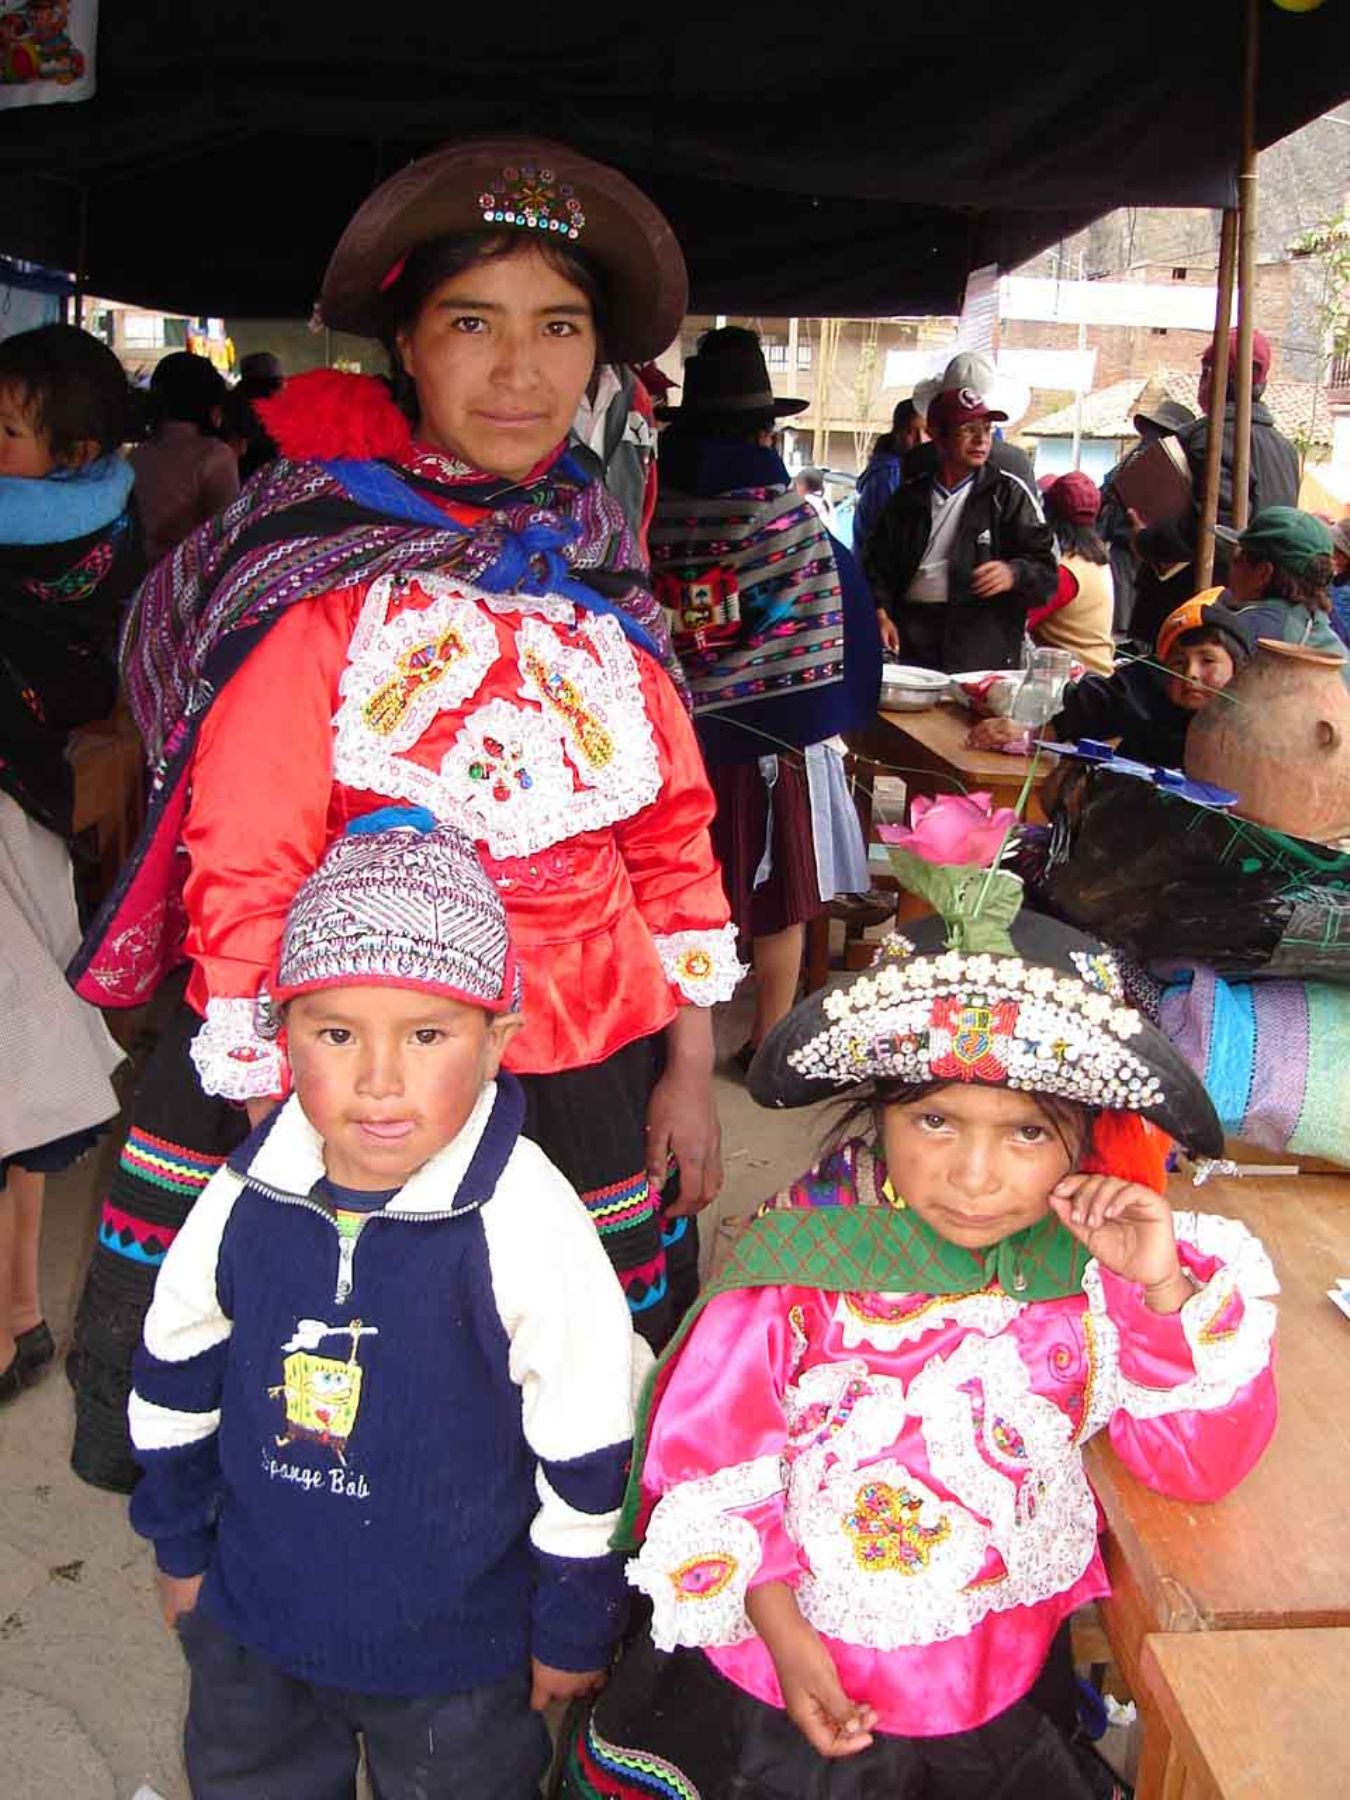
x=384 y=1399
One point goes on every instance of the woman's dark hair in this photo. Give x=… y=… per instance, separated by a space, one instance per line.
x=1072 y=1124
x=1307 y=587
x=441 y=259
x=1078 y=540
x=186 y=387
x=905 y=410
x=72 y=386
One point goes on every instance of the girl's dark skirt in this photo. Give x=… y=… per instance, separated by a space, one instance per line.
x=672 y=1728
x=791 y=893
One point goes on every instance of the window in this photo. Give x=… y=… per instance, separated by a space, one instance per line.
x=1178 y=274
x=1157 y=331
x=176 y=333
x=803 y=356
x=775 y=355
x=143 y=331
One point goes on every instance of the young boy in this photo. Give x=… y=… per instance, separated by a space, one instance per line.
x=1202 y=645
x=383 y=1401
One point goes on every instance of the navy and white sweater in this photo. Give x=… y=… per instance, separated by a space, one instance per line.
x=398 y=1458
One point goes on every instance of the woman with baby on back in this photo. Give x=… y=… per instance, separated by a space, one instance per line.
x=862 y=1511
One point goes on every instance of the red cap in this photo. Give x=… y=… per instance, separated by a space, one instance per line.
x=958 y=406
x=1075 y=497
x=1260 y=353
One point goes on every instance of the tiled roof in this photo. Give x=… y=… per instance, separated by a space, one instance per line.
x=1109 y=413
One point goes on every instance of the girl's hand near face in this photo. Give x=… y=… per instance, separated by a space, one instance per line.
x=1128 y=1228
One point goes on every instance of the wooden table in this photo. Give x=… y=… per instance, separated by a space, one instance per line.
x=927 y=750
x=1253 y=1715
x=1276 y=1552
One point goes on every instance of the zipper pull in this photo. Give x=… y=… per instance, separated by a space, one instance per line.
x=346 y=1254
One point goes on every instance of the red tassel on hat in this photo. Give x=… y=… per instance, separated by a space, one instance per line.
x=327 y=413
x=1129 y=1146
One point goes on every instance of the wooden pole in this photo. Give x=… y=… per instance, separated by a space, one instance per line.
x=1242 y=412
x=1218 y=367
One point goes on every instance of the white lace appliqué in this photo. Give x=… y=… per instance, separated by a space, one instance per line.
x=889 y=1560
x=579 y=756
x=886 y=1321
x=231 y=1059
x=698 y=1556
x=400 y=673
x=703 y=965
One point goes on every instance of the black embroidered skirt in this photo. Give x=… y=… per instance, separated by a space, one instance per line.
x=669 y=1727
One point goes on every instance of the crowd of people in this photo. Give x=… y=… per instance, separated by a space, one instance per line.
x=494 y=713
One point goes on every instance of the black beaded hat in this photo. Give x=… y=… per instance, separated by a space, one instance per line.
x=1047 y=1014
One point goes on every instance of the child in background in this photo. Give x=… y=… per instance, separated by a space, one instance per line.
x=868 y=1520
x=69 y=558
x=1201 y=646
x=384 y=1399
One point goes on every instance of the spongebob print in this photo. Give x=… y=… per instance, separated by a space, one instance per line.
x=322 y=1394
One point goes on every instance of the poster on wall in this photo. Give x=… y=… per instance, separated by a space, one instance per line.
x=46 y=50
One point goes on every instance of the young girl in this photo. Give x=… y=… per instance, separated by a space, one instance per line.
x=866 y=1518
x=69 y=557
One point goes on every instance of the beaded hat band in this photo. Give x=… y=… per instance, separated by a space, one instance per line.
x=530 y=185
x=1047 y=1016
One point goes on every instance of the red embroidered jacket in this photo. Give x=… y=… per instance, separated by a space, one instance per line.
x=538 y=728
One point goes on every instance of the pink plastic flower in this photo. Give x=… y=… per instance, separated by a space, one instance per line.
x=954 y=828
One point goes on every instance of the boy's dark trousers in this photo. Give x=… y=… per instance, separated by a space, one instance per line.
x=255 y=1733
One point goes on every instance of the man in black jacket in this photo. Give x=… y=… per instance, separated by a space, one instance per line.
x=959 y=556
x=1273 y=481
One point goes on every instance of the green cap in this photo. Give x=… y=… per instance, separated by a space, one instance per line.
x=1282 y=535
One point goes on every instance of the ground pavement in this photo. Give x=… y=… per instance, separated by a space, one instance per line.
x=92 y=1686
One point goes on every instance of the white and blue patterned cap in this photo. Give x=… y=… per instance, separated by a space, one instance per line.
x=401 y=901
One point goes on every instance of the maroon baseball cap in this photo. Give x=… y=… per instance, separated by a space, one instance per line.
x=1261 y=353
x=1075 y=497
x=958 y=406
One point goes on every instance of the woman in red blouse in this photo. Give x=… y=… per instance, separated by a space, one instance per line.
x=426 y=602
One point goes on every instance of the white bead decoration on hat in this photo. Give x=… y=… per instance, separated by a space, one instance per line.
x=993 y=1019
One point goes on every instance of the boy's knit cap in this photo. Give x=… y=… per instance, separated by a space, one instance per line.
x=400 y=901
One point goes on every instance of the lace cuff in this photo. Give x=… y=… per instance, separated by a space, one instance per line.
x=232 y=1060
x=698 y=1559
x=1228 y=1323
x=702 y=964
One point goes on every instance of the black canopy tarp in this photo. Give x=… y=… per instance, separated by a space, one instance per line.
x=855 y=160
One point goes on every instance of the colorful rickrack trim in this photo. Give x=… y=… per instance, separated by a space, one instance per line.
x=534 y=198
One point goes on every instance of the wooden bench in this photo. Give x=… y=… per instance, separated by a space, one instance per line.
x=1252 y=1715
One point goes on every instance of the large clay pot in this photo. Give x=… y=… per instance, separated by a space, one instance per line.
x=1279 y=737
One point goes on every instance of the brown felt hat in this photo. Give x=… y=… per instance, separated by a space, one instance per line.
x=533 y=186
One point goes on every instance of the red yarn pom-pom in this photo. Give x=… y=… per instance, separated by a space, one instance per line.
x=327 y=413
x=1126 y=1145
